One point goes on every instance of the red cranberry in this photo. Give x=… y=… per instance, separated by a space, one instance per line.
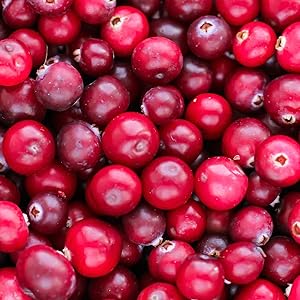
x=94 y=247
x=294 y=222
x=148 y=7
x=104 y=99
x=295 y=289
x=244 y=89
x=200 y=277
x=212 y=244
x=282 y=262
x=114 y=191
x=187 y=222
x=277 y=160
x=209 y=37
x=126 y=28
x=251 y=224
x=131 y=252
x=282 y=99
x=9 y=191
x=130 y=139
x=144 y=225
x=161 y=291
x=218 y=221
x=50 y=7
x=94 y=11
x=28 y=146
x=195 y=77
x=119 y=284
x=157 y=60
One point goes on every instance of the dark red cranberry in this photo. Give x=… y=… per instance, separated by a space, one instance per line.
x=46 y=265
x=50 y=7
x=282 y=262
x=157 y=60
x=272 y=67
x=200 y=277
x=295 y=289
x=130 y=139
x=218 y=221
x=131 y=252
x=18 y=13
x=60 y=29
x=282 y=166
x=119 y=284
x=195 y=77
x=114 y=191
x=187 y=222
x=251 y=224
x=211 y=113
x=148 y=7
x=126 y=28
x=28 y=146
x=15 y=62
x=212 y=244
x=9 y=191
x=4 y=30
x=104 y=99
x=161 y=291
x=80 y=288
x=162 y=104
x=209 y=37
x=260 y=192
x=188 y=10
x=294 y=222
x=145 y=280
x=241 y=138
x=211 y=178
x=282 y=101
x=144 y=225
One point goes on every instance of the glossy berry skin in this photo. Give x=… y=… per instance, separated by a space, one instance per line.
x=186 y=223
x=94 y=247
x=104 y=99
x=237 y=12
x=244 y=89
x=119 y=284
x=282 y=101
x=165 y=260
x=15 y=62
x=282 y=262
x=162 y=104
x=211 y=113
x=216 y=172
x=242 y=262
x=9 y=190
x=212 y=245
x=157 y=60
x=294 y=222
x=204 y=37
x=28 y=146
x=14 y=230
x=241 y=138
x=251 y=224
x=200 y=277
x=146 y=6
x=161 y=291
x=144 y=225
x=277 y=160
x=126 y=28
x=41 y=263
x=218 y=221
x=131 y=252
x=260 y=289
x=114 y=190
x=94 y=12
x=254 y=44
x=182 y=139
x=295 y=290
x=167 y=182
x=50 y=7
x=130 y=139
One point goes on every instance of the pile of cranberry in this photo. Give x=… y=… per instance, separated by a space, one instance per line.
x=150 y=150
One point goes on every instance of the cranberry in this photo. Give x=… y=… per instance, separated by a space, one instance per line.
x=241 y=138
x=104 y=99
x=294 y=222
x=157 y=60
x=212 y=244
x=131 y=252
x=9 y=191
x=121 y=284
x=148 y=7
x=187 y=222
x=130 y=139
x=160 y=290
x=209 y=37
x=162 y=104
x=15 y=62
x=282 y=99
x=28 y=146
x=94 y=12
x=80 y=288
x=200 y=277
x=218 y=221
x=282 y=262
x=94 y=247
x=39 y=264
x=144 y=225
x=244 y=89
x=277 y=160
x=295 y=290
x=251 y=224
